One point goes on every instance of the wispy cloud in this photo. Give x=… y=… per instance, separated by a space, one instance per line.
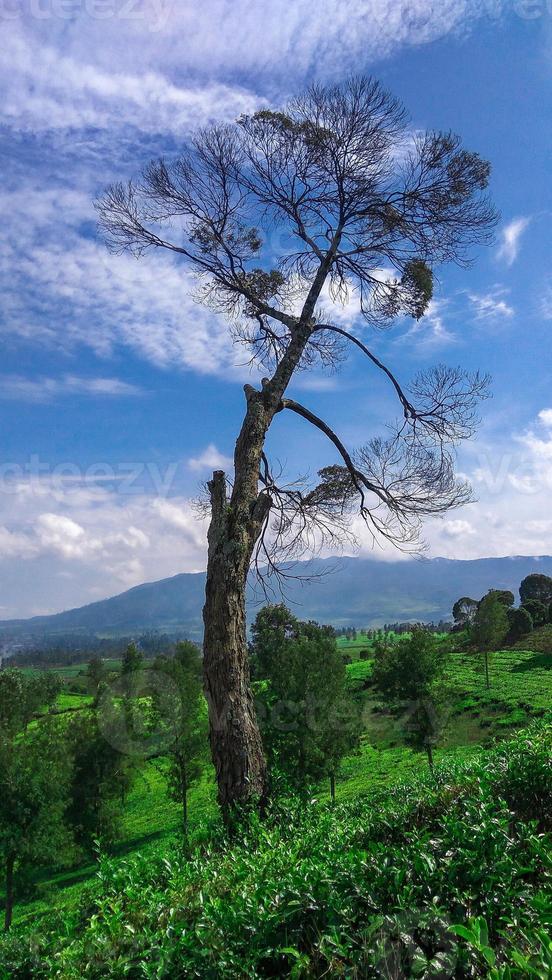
x=133 y=52
x=491 y=305
x=431 y=330
x=510 y=240
x=14 y=387
x=546 y=303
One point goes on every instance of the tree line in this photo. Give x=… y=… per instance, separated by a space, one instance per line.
x=494 y=620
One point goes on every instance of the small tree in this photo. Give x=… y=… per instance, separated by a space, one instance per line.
x=133 y=661
x=309 y=722
x=536 y=586
x=101 y=777
x=410 y=674
x=521 y=622
x=490 y=628
x=96 y=675
x=181 y=714
x=35 y=773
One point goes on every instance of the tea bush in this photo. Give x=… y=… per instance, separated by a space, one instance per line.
x=443 y=878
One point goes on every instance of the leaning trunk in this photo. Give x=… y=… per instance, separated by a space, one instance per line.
x=236 y=745
x=236 y=524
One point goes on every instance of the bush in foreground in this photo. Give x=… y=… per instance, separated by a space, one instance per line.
x=444 y=878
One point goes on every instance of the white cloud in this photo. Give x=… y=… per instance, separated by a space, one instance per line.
x=317 y=382
x=511 y=513
x=14 y=387
x=210 y=459
x=457 y=529
x=431 y=330
x=510 y=240
x=56 y=282
x=491 y=305
x=83 y=66
x=63 y=544
x=45 y=90
x=546 y=417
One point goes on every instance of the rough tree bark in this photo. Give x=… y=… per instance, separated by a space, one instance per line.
x=236 y=523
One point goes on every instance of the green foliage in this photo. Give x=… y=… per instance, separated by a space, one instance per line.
x=133 y=661
x=35 y=772
x=502 y=595
x=411 y=672
x=537 y=610
x=406 y=670
x=22 y=696
x=536 y=586
x=490 y=627
x=521 y=622
x=417 y=283
x=101 y=777
x=96 y=675
x=180 y=716
x=308 y=722
x=441 y=877
x=463 y=612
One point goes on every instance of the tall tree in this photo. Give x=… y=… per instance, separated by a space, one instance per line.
x=180 y=714
x=96 y=676
x=340 y=173
x=490 y=628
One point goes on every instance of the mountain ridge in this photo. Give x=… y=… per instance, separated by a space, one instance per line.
x=346 y=591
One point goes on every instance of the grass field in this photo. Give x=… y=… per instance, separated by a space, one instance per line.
x=521 y=689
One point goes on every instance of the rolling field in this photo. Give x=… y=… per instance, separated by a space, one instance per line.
x=521 y=689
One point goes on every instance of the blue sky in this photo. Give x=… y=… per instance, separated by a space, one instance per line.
x=118 y=393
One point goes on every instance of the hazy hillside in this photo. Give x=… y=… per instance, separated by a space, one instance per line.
x=355 y=591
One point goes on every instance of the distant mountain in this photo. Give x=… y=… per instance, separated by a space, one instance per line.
x=348 y=591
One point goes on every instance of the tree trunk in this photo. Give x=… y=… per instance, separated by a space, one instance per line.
x=332 y=786
x=184 y=794
x=429 y=749
x=236 y=745
x=8 y=914
x=236 y=524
